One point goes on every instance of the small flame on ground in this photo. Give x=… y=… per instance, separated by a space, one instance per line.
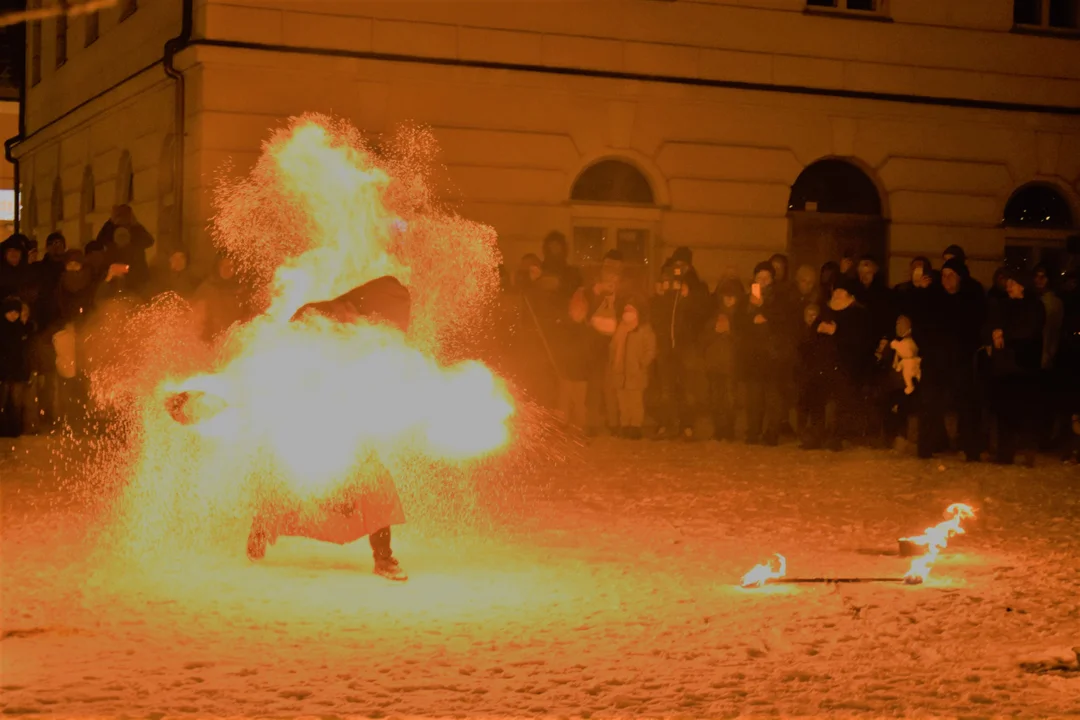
x=764 y=572
x=936 y=538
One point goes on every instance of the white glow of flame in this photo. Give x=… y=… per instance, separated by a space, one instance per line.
x=764 y=572
x=935 y=539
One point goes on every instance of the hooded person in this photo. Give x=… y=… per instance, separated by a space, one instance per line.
x=16 y=278
x=849 y=327
x=127 y=248
x=14 y=366
x=1014 y=337
x=370 y=506
x=680 y=307
x=631 y=354
x=720 y=349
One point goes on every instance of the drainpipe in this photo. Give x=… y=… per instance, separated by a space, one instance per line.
x=172 y=47
x=12 y=142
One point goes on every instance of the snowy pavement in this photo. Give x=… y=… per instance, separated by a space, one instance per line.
x=607 y=587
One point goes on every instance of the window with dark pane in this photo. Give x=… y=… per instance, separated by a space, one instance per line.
x=867 y=5
x=1027 y=12
x=1038 y=206
x=612 y=181
x=1063 y=13
x=821 y=3
x=632 y=243
x=588 y=244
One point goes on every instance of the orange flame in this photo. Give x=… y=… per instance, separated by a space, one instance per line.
x=936 y=538
x=764 y=572
x=305 y=404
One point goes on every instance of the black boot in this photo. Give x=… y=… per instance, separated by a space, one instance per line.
x=386 y=565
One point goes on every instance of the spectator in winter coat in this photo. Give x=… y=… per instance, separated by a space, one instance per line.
x=76 y=291
x=116 y=287
x=573 y=346
x=947 y=340
x=127 y=248
x=175 y=278
x=997 y=290
x=913 y=296
x=219 y=302
x=16 y=278
x=1055 y=312
x=766 y=328
x=605 y=304
x=873 y=294
x=559 y=277
x=49 y=270
x=849 y=327
x=679 y=308
x=827 y=279
x=14 y=366
x=1015 y=338
x=806 y=285
x=816 y=363
x=632 y=352
x=718 y=344
x=970 y=285
x=904 y=379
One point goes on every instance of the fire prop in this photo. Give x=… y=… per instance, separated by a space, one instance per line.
x=932 y=542
x=324 y=384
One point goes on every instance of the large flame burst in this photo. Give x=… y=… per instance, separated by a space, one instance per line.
x=306 y=404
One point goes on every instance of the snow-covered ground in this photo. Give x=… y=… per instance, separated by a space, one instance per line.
x=607 y=587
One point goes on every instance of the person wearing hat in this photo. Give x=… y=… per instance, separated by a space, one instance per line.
x=14 y=366
x=848 y=325
x=1014 y=339
x=948 y=336
x=679 y=309
x=767 y=331
x=15 y=273
x=955 y=252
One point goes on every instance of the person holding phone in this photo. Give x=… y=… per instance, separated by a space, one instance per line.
x=766 y=329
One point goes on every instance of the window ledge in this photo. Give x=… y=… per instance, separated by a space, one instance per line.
x=871 y=15
x=1044 y=31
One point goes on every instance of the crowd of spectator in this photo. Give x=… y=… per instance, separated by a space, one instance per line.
x=50 y=302
x=831 y=357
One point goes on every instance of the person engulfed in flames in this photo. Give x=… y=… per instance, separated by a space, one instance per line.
x=369 y=505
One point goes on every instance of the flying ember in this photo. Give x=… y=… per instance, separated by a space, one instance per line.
x=369 y=293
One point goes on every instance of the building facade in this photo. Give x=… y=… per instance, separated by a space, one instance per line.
x=736 y=127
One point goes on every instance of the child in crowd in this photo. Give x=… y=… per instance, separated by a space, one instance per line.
x=718 y=343
x=14 y=366
x=573 y=349
x=632 y=352
x=907 y=372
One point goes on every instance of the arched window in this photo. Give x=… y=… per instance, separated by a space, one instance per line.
x=125 y=180
x=87 y=206
x=834 y=186
x=835 y=209
x=612 y=181
x=56 y=215
x=614 y=209
x=1038 y=206
x=1038 y=221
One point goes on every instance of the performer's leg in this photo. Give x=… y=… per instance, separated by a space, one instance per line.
x=386 y=564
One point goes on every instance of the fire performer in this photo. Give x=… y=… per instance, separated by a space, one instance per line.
x=368 y=506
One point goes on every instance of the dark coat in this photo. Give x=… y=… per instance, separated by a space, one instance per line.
x=574 y=348
x=677 y=320
x=853 y=342
x=880 y=302
x=1021 y=322
x=766 y=348
x=14 y=351
x=948 y=334
x=721 y=348
x=133 y=255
